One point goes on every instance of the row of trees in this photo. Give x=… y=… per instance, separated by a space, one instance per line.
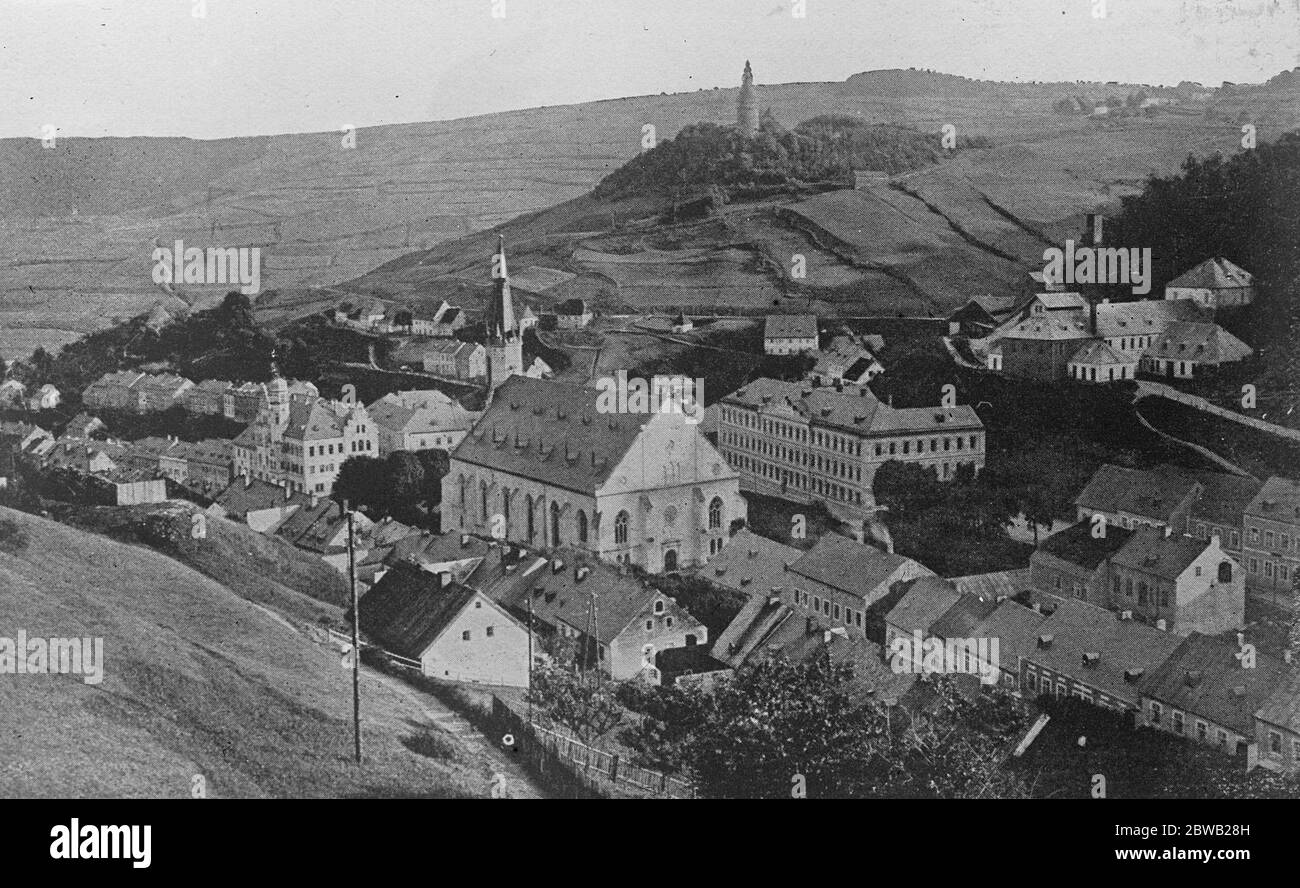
x=406 y=486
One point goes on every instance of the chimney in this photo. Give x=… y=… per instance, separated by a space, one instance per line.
x=464 y=540
x=557 y=565
x=826 y=637
x=1126 y=615
x=1161 y=625
x=315 y=500
x=1045 y=642
x=248 y=481
x=1133 y=675
x=1169 y=531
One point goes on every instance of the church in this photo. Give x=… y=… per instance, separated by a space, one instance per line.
x=545 y=468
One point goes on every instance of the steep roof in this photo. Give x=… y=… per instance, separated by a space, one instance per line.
x=1152 y=493
x=1277 y=500
x=1224 y=497
x=1077 y=545
x=408 y=609
x=853 y=408
x=1007 y=583
x=848 y=566
x=1204 y=676
x=551 y=432
x=1204 y=343
x=1077 y=627
x=314 y=419
x=238 y=499
x=1214 y=274
x=925 y=601
x=960 y=620
x=1048 y=330
x=790 y=327
x=1150 y=551
x=1062 y=301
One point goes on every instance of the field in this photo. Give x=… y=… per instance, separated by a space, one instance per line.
x=411 y=204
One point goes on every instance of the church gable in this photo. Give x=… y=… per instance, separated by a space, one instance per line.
x=667 y=452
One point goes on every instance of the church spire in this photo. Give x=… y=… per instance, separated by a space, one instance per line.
x=501 y=312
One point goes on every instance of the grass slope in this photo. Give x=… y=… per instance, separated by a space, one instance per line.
x=197 y=681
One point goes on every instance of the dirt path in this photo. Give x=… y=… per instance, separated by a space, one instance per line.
x=519 y=784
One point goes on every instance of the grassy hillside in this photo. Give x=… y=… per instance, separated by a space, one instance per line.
x=197 y=680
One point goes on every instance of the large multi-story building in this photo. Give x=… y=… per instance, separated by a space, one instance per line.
x=302 y=442
x=419 y=420
x=810 y=443
x=546 y=468
x=1271 y=548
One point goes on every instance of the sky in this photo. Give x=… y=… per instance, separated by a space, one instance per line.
x=217 y=68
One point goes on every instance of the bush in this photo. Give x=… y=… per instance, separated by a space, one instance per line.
x=13 y=539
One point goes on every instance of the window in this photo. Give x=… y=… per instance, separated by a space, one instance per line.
x=491 y=630
x=817 y=602
x=1221 y=738
x=1128 y=587
x=464 y=636
x=1142 y=593
x=649 y=625
x=715 y=513
x=1115 y=585
x=1198 y=570
x=620 y=529
x=555 y=524
x=1202 y=730
x=582 y=526
x=1033 y=681
x=1234 y=539
x=1274 y=742
x=1178 y=722
x=1254 y=565
x=1155 y=713
x=669 y=622
x=837 y=611
x=659 y=606
x=826 y=607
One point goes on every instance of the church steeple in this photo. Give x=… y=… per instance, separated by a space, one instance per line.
x=747 y=105
x=501 y=312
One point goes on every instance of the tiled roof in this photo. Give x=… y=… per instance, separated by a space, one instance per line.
x=1007 y=583
x=848 y=566
x=1224 y=497
x=1205 y=677
x=1062 y=301
x=1205 y=343
x=960 y=620
x=751 y=563
x=1098 y=352
x=408 y=610
x=1277 y=500
x=927 y=600
x=1077 y=627
x=238 y=499
x=1153 y=493
x=790 y=327
x=854 y=409
x=1150 y=551
x=1077 y=545
x=1145 y=317
x=1016 y=628
x=1214 y=274
x=552 y=432
x=1282 y=707
x=314 y=419
x=1048 y=329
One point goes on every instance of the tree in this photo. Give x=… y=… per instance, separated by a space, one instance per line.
x=588 y=708
x=1037 y=507
x=361 y=483
x=906 y=489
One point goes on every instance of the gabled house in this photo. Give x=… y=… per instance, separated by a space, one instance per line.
x=1179 y=582
x=456 y=633
x=1277 y=726
x=259 y=504
x=1186 y=350
x=838 y=579
x=419 y=420
x=1074 y=563
x=1098 y=362
x=13 y=392
x=47 y=397
x=1271 y=547
x=572 y=314
x=1161 y=497
x=846 y=360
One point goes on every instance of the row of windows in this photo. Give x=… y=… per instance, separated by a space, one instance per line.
x=1284 y=540
x=1275 y=746
x=1043 y=685
x=1278 y=571
x=1147 y=595
x=798 y=479
x=779 y=451
x=824 y=606
x=489 y=632
x=1234 y=536
x=1178 y=724
x=948 y=444
x=1089 y=374
x=777 y=429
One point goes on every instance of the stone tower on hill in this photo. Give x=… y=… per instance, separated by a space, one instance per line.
x=505 y=345
x=747 y=105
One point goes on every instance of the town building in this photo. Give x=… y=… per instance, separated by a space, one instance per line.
x=13 y=393
x=47 y=397
x=846 y=360
x=419 y=420
x=136 y=392
x=454 y=632
x=789 y=334
x=1214 y=284
x=1178 y=582
x=1100 y=657
x=1098 y=362
x=1185 y=350
x=259 y=504
x=1277 y=727
x=838 y=579
x=1271 y=545
x=811 y=443
x=1208 y=692
x=208 y=397
x=572 y=314
x=1074 y=563
x=1016 y=628
x=545 y=467
x=454 y=359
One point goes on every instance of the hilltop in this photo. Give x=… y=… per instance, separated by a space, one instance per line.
x=197 y=680
x=78 y=221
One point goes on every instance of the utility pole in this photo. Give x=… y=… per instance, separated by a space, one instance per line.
x=356 y=638
x=529 y=599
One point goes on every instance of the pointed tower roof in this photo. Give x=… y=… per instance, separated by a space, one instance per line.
x=501 y=322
